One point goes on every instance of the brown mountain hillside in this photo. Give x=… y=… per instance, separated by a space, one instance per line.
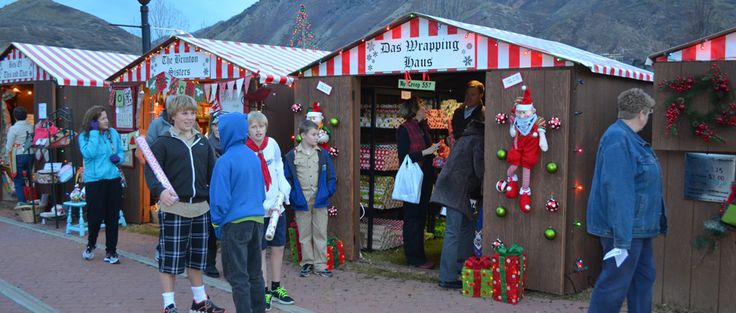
x=49 y=23
x=630 y=28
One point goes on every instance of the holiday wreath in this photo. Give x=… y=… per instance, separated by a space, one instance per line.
x=721 y=99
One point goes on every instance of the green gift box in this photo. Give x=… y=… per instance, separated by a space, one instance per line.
x=729 y=216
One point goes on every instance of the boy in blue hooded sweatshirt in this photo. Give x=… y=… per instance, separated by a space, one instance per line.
x=236 y=204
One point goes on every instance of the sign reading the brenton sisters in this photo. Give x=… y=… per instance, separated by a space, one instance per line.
x=421 y=53
x=17 y=69
x=182 y=65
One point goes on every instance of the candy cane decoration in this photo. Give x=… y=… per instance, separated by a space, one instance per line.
x=153 y=163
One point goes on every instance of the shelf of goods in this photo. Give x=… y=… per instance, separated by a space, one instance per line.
x=386 y=157
x=387 y=116
x=384 y=186
x=386 y=233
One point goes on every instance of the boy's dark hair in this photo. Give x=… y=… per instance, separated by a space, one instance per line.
x=306 y=125
x=20 y=113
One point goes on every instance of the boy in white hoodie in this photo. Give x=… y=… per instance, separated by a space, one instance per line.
x=277 y=192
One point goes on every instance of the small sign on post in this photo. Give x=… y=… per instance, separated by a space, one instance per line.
x=327 y=89
x=512 y=80
x=708 y=177
x=417 y=84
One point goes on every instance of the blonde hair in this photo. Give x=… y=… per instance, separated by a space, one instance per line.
x=179 y=103
x=257 y=116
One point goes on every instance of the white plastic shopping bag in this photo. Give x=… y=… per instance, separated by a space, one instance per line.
x=408 y=183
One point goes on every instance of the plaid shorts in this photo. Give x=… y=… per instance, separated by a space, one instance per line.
x=183 y=242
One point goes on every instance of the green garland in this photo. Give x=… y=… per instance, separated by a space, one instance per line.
x=685 y=89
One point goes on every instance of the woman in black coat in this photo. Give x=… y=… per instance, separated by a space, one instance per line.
x=461 y=175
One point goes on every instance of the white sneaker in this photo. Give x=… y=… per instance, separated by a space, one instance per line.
x=88 y=254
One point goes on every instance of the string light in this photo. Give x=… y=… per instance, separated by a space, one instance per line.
x=579 y=150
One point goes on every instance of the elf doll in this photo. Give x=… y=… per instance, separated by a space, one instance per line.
x=314 y=114
x=528 y=131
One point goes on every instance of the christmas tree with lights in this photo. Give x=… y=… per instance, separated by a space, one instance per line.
x=302 y=35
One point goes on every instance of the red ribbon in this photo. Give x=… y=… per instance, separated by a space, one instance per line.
x=477 y=263
x=425 y=76
x=407 y=77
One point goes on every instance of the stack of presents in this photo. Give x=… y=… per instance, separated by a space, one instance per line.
x=500 y=277
x=335 y=249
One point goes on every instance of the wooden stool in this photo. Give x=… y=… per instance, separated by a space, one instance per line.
x=81 y=226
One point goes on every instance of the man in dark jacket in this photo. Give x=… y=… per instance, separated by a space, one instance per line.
x=462 y=174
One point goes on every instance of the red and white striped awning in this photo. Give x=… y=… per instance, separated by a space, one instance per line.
x=225 y=60
x=22 y=62
x=717 y=47
x=487 y=49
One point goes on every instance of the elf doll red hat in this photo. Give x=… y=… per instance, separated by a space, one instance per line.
x=314 y=110
x=526 y=103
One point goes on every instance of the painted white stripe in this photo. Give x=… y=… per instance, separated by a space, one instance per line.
x=503 y=55
x=525 y=58
x=482 y=52
x=731 y=46
x=702 y=51
x=675 y=56
x=354 y=61
x=323 y=69
x=338 y=65
x=548 y=60
x=24 y=299
x=423 y=27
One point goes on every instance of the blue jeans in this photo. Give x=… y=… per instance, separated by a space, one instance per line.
x=241 y=263
x=457 y=245
x=22 y=163
x=632 y=281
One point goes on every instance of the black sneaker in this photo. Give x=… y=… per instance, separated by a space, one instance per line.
x=88 y=254
x=282 y=296
x=306 y=270
x=112 y=258
x=212 y=271
x=268 y=300
x=206 y=306
x=324 y=273
x=451 y=284
x=170 y=309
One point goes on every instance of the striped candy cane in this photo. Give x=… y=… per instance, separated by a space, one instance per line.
x=153 y=163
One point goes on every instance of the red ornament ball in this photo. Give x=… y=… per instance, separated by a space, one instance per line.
x=334 y=152
x=501 y=186
x=296 y=107
x=552 y=205
x=501 y=118
x=554 y=122
x=332 y=211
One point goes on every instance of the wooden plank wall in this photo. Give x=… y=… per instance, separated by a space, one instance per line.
x=278 y=110
x=595 y=101
x=688 y=277
x=343 y=103
x=550 y=93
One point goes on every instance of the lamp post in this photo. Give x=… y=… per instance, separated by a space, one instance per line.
x=145 y=27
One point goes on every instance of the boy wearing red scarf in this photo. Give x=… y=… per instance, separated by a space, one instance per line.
x=277 y=191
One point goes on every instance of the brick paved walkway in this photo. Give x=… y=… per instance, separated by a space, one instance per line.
x=50 y=268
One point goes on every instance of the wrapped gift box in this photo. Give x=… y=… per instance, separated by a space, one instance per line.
x=472 y=276
x=334 y=259
x=508 y=266
x=294 y=246
x=387 y=233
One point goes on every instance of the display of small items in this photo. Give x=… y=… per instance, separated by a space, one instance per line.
x=384 y=186
x=387 y=116
x=386 y=158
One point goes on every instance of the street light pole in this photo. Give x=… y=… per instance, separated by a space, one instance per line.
x=145 y=27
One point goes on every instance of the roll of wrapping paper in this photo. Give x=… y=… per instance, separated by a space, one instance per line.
x=153 y=163
x=274 y=219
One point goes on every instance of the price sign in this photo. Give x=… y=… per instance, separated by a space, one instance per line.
x=708 y=177
x=417 y=84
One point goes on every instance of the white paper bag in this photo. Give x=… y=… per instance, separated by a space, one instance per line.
x=408 y=182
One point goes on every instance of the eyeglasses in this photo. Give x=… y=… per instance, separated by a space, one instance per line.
x=648 y=111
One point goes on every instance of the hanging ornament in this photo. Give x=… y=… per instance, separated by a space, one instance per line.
x=334 y=152
x=502 y=186
x=500 y=211
x=501 y=118
x=296 y=108
x=578 y=224
x=298 y=138
x=551 y=167
x=580 y=266
x=501 y=154
x=332 y=211
x=554 y=122
x=552 y=205
x=550 y=233
x=293 y=138
x=496 y=243
x=334 y=122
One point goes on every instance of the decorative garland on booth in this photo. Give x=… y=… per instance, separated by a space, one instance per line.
x=721 y=99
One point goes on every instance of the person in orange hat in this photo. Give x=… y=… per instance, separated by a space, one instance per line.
x=528 y=131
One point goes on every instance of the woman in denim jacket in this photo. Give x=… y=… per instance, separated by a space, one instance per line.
x=626 y=209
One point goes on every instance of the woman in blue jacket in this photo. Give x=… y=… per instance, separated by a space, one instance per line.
x=102 y=152
x=626 y=208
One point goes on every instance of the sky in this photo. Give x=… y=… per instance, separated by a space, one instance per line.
x=197 y=13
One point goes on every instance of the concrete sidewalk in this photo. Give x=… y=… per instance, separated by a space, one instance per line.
x=47 y=264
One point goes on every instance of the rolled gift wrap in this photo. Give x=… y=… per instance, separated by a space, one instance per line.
x=153 y=163
x=271 y=230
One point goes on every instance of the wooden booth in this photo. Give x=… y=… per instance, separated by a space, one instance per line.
x=233 y=76
x=439 y=56
x=700 y=279
x=45 y=79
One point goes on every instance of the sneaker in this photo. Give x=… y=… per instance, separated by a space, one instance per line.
x=170 y=309
x=88 y=254
x=306 y=270
x=206 y=306
x=268 y=301
x=112 y=258
x=282 y=296
x=212 y=271
x=324 y=273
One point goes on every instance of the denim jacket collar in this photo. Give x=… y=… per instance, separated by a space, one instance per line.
x=620 y=123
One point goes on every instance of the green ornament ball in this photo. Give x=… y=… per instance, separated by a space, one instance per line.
x=550 y=233
x=334 y=122
x=578 y=224
x=501 y=154
x=298 y=138
x=500 y=211
x=551 y=167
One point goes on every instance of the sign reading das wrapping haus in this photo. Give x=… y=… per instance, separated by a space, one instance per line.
x=182 y=65
x=17 y=69
x=388 y=54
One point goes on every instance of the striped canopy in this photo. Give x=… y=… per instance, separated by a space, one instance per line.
x=717 y=47
x=487 y=48
x=22 y=62
x=224 y=60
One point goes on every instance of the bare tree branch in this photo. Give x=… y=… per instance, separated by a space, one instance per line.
x=165 y=19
